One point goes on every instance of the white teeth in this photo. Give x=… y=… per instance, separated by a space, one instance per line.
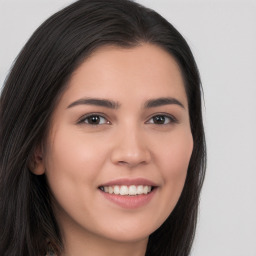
x=127 y=190
x=145 y=190
x=116 y=190
x=140 y=189
x=124 y=190
x=110 y=190
x=132 y=190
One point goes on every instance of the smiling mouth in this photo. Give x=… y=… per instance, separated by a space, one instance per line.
x=124 y=190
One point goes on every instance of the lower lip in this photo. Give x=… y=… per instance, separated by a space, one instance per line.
x=130 y=202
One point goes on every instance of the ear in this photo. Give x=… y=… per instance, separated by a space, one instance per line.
x=36 y=163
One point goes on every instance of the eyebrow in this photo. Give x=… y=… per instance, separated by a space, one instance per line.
x=152 y=103
x=161 y=102
x=96 y=102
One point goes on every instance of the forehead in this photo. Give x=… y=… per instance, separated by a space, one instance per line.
x=144 y=71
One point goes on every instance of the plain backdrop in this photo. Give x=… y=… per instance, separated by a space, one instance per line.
x=222 y=36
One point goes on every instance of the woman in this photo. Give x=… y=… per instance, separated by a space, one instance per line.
x=102 y=141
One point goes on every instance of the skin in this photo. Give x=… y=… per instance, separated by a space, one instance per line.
x=127 y=143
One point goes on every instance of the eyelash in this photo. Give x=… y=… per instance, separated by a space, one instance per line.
x=84 y=118
x=163 y=117
x=172 y=119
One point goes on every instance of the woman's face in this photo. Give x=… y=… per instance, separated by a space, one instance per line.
x=119 y=145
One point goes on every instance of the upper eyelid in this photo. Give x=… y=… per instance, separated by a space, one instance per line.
x=163 y=114
x=82 y=118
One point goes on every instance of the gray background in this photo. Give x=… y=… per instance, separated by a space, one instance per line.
x=222 y=35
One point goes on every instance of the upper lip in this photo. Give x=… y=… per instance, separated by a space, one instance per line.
x=129 y=182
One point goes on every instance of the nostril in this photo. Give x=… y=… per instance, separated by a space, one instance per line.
x=122 y=162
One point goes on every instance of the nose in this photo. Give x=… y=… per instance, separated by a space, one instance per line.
x=130 y=149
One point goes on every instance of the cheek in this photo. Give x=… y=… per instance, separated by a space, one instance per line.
x=176 y=153
x=72 y=165
x=175 y=161
x=71 y=155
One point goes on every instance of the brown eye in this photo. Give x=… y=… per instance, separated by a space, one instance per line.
x=94 y=120
x=161 y=120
